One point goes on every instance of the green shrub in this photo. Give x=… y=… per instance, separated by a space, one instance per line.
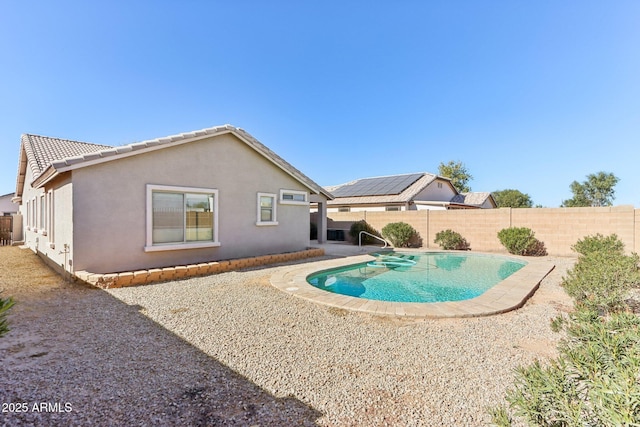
x=398 y=233
x=593 y=382
x=5 y=305
x=521 y=241
x=599 y=243
x=601 y=280
x=449 y=239
x=362 y=225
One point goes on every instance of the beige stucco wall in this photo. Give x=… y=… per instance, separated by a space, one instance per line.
x=432 y=193
x=32 y=236
x=44 y=241
x=557 y=228
x=109 y=206
x=6 y=205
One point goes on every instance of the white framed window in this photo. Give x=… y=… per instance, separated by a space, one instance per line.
x=181 y=218
x=344 y=209
x=28 y=216
x=392 y=208
x=43 y=215
x=267 y=209
x=50 y=222
x=34 y=212
x=293 y=197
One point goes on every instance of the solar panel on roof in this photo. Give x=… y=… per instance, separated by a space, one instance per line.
x=386 y=185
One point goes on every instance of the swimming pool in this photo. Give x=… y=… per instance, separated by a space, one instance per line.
x=418 y=277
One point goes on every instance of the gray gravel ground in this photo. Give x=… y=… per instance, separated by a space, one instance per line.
x=230 y=349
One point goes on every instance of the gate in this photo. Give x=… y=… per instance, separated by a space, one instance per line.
x=6 y=230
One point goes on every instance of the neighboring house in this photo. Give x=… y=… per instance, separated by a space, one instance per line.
x=7 y=207
x=473 y=200
x=416 y=191
x=195 y=197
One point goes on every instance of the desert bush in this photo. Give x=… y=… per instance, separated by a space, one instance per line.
x=603 y=274
x=599 y=243
x=593 y=382
x=449 y=239
x=5 y=305
x=521 y=241
x=362 y=225
x=398 y=233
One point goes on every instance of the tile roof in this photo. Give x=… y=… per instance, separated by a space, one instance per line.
x=43 y=150
x=50 y=156
x=472 y=199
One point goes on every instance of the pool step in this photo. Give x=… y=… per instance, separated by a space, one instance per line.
x=391 y=261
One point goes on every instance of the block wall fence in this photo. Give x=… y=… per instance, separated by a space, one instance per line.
x=558 y=228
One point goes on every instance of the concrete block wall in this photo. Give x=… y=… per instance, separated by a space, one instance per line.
x=560 y=228
x=154 y=275
x=557 y=228
x=478 y=228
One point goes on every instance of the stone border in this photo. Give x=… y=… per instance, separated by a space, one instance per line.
x=510 y=294
x=154 y=275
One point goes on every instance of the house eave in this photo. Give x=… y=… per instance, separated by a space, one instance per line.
x=49 y=174
x=134 y=149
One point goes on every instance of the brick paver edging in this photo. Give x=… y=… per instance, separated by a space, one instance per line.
x=154 y=275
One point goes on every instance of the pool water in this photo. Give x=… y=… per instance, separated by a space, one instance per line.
x=418 y=277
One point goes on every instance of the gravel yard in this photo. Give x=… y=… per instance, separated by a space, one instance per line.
x=230 y=349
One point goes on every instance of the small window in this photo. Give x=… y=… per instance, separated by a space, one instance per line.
x=28 y=215
x=439 y=185
x=43 y=215
x=293 y=197
x=344 y=209
x=266 y=209
x=392 y=208
x=51 y=223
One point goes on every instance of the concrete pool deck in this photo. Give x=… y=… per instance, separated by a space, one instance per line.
x=510 y=294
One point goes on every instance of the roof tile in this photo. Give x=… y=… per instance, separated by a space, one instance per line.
x=43 y=150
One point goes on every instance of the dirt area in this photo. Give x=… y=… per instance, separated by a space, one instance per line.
x=76 y=356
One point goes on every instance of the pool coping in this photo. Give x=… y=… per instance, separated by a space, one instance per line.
x=508 y=295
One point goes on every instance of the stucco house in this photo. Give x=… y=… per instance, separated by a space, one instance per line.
x=7 y=207
x=201 y=196
x=415 y=191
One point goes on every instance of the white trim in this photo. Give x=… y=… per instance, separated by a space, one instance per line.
x=274 y=217
x=150 y=247
x=42 y=213
x=51 y=222
x=180 y=246
x=294 y=202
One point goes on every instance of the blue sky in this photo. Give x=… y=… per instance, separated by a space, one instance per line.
x=530 y=95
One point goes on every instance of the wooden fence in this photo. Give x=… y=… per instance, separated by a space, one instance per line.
x=6 y=230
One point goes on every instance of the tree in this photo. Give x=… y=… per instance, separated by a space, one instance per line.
x=458 y=173
x=597 y=190
x=512 y=199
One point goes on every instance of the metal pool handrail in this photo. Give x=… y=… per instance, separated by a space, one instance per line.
x=372 y=235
